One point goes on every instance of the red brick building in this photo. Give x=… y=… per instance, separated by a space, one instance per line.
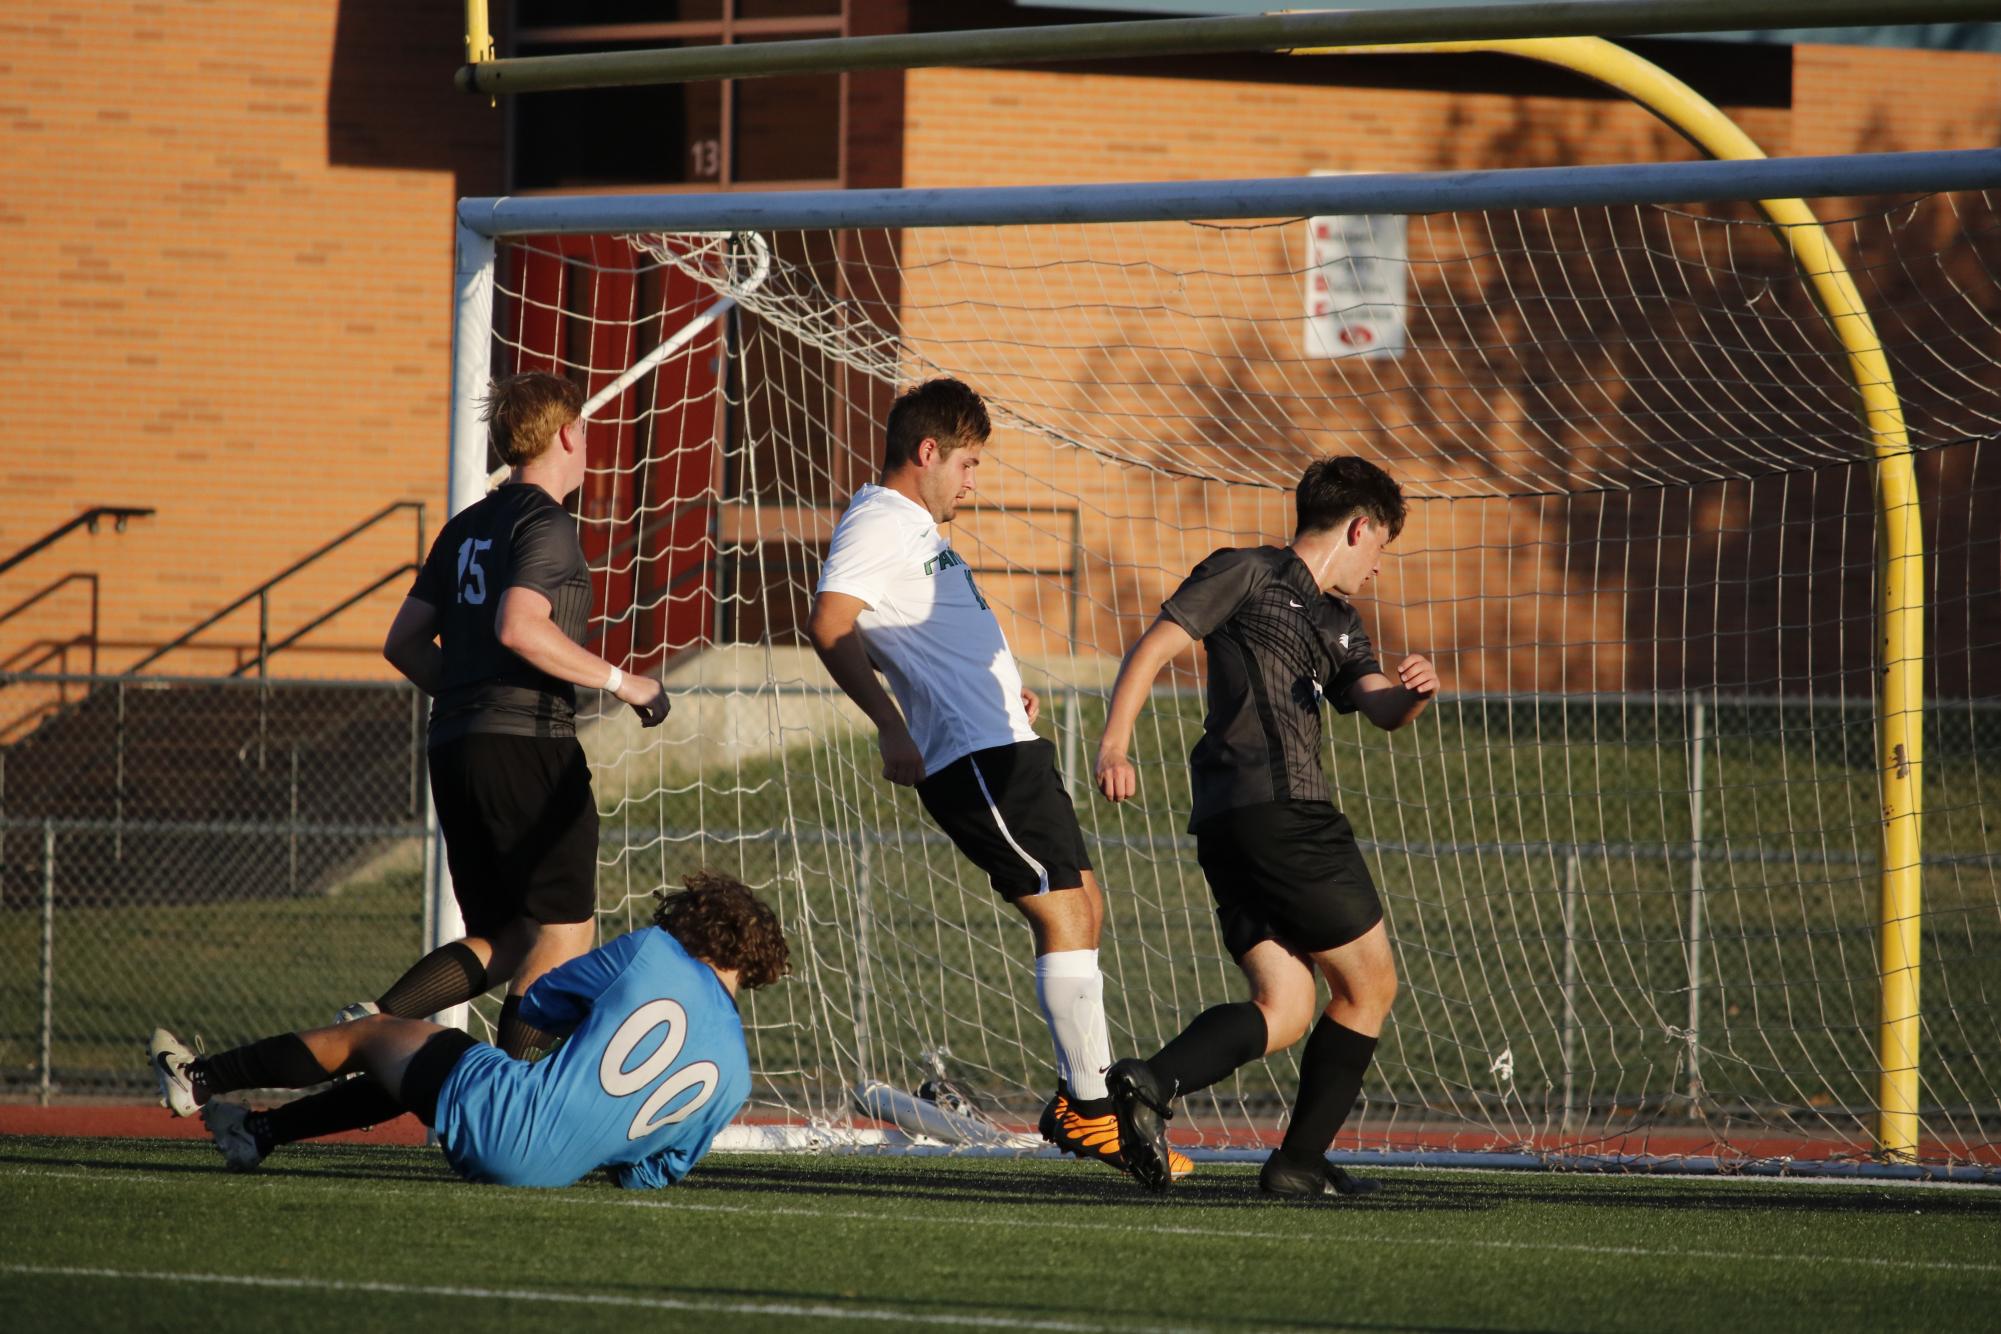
x=228 y=238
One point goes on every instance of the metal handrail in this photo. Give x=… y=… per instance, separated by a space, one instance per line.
x=330 y=613
x=49 y=590
x=88 y=519
x=261 y=594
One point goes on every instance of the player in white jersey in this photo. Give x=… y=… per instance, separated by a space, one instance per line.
x=894 y=597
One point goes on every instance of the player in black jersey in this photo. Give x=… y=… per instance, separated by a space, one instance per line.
x=492 y=630
x=1292 y=892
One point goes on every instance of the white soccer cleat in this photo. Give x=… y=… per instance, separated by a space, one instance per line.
x=170 y=1058
x=233 y=1140
x=359 y=1010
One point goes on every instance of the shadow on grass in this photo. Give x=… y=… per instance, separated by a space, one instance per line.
x=1083 y=1185
x=1088 y=1186
x=863 y=1182
x=197 y=1158
x=1825 y=1199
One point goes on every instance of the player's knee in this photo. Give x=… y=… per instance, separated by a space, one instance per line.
x=1065 y=919
x=1288 y=1014
x=1287 y=1028
x=1085 y=911
x=1376 y=996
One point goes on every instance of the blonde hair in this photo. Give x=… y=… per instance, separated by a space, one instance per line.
x=524 y=412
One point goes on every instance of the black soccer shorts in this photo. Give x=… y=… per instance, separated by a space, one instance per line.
x=1287 y=871
x=521 y=828
x=1006 y=809
x=429 y=1067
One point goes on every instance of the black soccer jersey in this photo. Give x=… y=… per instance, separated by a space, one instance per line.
x=515 y=538
x=1276 y=645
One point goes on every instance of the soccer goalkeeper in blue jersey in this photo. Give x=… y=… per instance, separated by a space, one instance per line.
x=653 y=1067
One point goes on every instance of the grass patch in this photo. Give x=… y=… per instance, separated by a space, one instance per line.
x=336 y=1238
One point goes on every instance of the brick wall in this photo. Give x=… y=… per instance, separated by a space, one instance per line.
x=1142 y=346
x=227 y=230
x=226 y=294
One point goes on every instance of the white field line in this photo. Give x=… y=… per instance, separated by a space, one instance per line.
x=789 y=1310
x=1099 y=1228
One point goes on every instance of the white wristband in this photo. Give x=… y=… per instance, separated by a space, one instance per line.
x=614 y=681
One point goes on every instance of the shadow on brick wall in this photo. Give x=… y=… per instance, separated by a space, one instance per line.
x=391 y=102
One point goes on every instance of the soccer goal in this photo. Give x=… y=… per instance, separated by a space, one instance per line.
x=1709 y=570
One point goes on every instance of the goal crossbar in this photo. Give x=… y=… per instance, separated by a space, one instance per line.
x=1280 y=197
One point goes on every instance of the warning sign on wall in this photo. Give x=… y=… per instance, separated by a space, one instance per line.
x=1355 y=278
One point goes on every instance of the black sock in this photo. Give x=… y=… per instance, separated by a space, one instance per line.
x=283 y=1062
x=1330 y=1079
x=518 y=1039
x=449 y=975
x=1219 y=1040
x=348 y=1106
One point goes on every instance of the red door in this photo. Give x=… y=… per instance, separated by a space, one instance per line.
x=590 y=307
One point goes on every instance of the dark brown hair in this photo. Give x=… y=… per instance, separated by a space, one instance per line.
x=717 y=918
x=944 y=409
x=524 y=412
x=1330 y=490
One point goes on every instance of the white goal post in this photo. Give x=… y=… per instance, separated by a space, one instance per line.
x=1651 y=865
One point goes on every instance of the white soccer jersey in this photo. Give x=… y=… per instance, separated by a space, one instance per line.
x=927 y=627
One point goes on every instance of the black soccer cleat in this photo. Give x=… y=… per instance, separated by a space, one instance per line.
x=239 y=1145
x=1083 y=1136
x=1282 y=1180
x=1139 y=1104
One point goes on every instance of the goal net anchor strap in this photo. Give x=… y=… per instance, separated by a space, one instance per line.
x=923 y=1119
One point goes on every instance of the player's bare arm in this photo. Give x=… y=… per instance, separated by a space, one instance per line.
x=525 y=627
x=1031 y=703
x=831 y=628
x=411 y=646
x=1392 y=703
x=1163 y=641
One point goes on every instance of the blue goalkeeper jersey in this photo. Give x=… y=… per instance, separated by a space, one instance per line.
x=654 y=1067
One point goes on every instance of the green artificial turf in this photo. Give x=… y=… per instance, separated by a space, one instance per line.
x=124 y=1234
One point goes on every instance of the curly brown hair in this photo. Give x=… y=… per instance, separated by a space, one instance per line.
x=717 y=919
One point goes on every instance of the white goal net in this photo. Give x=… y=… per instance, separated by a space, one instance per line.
x=1631 y=859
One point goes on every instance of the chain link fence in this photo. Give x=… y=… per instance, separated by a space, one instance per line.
x=229 y=858
x=233 y=858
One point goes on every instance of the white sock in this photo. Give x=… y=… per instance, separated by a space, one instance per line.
x=1072 y=993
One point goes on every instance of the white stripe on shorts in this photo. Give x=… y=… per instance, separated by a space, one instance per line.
x=1041 y=872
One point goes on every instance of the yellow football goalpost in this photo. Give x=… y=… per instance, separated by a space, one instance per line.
x=1900 y=559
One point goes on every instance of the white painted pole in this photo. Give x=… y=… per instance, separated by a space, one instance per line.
x=1289 y=197
x=681 y=339
x=465 y=484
